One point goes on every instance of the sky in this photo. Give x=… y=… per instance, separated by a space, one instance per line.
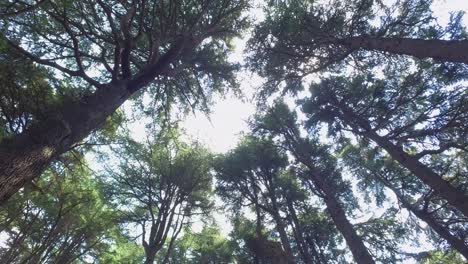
x=222 y=129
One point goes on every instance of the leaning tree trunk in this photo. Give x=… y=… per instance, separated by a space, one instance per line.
x=27 y=155
x=353 y=240
x=455 y=242
x=301 y=243
x=454 y=196
x=360 y=253
x=440 y=50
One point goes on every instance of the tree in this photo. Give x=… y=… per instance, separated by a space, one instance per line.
x=375 y=170
x=207 y=247
x=114 y=50
x=60 y=218
x=298 y=38
x=250 y=173
x=159 y=186
x=411 y=116
x=319 y=169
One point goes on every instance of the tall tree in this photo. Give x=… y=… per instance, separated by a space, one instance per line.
x=376 y=171
x=251 y=172
x=60 y=218
x=298 y=38
x=114 y=50
x=320 y=169
x=411 y=116
x=207 y=246
x=159 y=186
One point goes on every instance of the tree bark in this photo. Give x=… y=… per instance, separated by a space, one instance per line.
x=439 y=50
x=456 y=243
x=353 y=240
x=27 y=155
x=359 y=251
x=150 y=253
x=454 y=196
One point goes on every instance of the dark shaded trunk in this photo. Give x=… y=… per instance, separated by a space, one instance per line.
x=454 y=196
x=360 y=253
x=455 y=242
x=302 y=245
x=27 y=155
x=150 y=253
x=280 y=227
x=353 y=240
x=439 y=50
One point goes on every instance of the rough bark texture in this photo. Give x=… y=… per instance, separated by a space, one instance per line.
x=27 y=155
x=439 y=50
x=454 y=196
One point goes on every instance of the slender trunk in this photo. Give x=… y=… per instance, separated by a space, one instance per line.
x=456 y=243
x=306 y=257
x=360 y=253
x=454 y=196
x=439 y=50
x=27 y=155
x=282 y=231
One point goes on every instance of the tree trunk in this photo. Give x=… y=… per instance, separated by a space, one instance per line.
x=454 y=196
x=353 y=240
x=282 y=230
x=456 y=243
x=27 y=155
x=302 y=245
x=150 y=253
x=439 y=50
x=360 y=253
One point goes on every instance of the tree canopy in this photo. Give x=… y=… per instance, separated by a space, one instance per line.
x=357 y=151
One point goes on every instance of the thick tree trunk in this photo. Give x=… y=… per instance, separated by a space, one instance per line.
x=27 y=155
x=353 y=240
x=454 y=196
x=439 y=50
x=150 y=253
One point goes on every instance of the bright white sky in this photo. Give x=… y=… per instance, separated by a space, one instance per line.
x=229 y=115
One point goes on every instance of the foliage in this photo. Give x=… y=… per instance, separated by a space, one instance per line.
x=63 y=217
